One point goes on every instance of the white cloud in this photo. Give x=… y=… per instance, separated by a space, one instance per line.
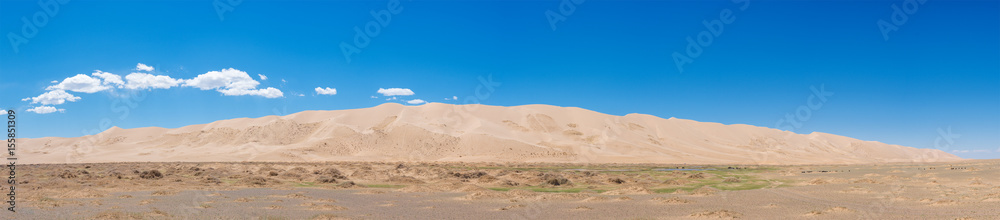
x=45 y=109
x=109 y=78
x=231 y=82
x=452 y=98
x=227 y=79
x=80 y=83
x=54 y=97
x=300 y=95
x=959 y=151
x=390 y=98
x=374 y=97
x=395 y=91
x=143 y=67
x=416 y=101
x=326 y=91
x=980 y=151
x=269 y=92
x=145 y=80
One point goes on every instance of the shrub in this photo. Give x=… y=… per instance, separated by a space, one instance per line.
x=152 y=174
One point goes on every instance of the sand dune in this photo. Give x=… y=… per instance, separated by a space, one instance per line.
x=473 y=133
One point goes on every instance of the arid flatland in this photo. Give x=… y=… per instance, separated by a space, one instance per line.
x=378 y=190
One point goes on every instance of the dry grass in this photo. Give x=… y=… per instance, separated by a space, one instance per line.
x=722 y=213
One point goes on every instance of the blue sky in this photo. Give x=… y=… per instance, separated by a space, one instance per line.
x=936 y=70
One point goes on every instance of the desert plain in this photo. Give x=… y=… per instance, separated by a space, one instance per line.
x=439 y=161
x=457 y=190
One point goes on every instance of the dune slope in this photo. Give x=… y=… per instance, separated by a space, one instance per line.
x=474 y=133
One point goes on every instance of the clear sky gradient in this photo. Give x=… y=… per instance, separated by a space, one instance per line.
x=937 y=69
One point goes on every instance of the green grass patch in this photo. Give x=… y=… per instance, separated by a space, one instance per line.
x=499 y=189
x=690 y=186
x=747 y=182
